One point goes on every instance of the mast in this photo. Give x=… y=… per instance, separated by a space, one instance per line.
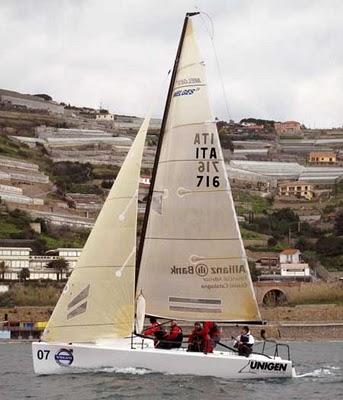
x=160 y=140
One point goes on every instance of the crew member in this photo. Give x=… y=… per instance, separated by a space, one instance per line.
x=175 y=335
x=199 y=340
x=213 y=330
x=152 y=328
x=244 y=342
x=173 y=339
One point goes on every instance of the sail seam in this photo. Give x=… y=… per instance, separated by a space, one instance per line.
x=199 y=191
x=190 y=159
x=105 y=266
x=165 y=238
x=202 y=123
x=222 y=258
x=72 y=326
x=190 y=84
x=190 y=65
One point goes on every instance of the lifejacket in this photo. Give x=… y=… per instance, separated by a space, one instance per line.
x=152 y=329
x=173 y=339
x=199 y=340
x=175 y=333
x=248 y=339
x=213 y=330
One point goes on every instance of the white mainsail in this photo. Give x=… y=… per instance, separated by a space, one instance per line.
x=98 y=300
x=193 y=264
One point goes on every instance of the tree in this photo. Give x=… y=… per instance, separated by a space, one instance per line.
x=39 y=246
x=44 y=96
x=272 y=242
x=24 y=274
x=225 y=140
x=106 y=184
x=60 y=265
x=302 y=244
x=339 y=223
x=3 y=270
x=330 y=246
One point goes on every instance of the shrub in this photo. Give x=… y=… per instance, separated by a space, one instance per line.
x=272 y=242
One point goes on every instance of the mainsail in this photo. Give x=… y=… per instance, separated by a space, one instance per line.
x=193 y=263
x=98 y=300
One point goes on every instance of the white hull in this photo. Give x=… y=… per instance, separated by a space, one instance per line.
x=59 y=358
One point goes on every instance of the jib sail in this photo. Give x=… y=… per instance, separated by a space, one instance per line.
x=98 y=300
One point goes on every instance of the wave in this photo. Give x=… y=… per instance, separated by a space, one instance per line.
x=126 y=370
x=320 y=372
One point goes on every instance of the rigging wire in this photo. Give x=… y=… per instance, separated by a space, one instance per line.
x=210 y=32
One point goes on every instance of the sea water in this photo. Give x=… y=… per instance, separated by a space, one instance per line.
x=319 y=366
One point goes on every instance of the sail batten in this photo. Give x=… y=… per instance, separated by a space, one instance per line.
x=98 y=299
x=192 y=245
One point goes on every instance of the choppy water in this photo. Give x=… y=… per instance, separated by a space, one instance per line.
x=319 y=364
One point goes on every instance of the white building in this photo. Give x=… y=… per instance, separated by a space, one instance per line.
x=144 y=181
x=69 y=254
x=17 y=258
x=292 y=265
x=104 y=117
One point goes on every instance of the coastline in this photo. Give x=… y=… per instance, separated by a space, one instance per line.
x=322 y=322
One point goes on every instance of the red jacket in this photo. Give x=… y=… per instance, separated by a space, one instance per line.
x=150 y=330
x=211 y=328
x=175 y=331
x=201 y=336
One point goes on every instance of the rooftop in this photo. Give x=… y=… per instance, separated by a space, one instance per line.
x=294 y=183
x=289 y=251
x=322 y=154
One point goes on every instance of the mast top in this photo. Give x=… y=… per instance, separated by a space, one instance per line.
x=191 y=14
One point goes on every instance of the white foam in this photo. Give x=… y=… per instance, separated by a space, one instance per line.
x=126 y=370
x=320 y=372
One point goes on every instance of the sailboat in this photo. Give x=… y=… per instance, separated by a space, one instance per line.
x=191 y=264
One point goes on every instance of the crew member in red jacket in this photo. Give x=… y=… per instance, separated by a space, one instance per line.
x=175 y=336
x=152 y=328
x=199 y=339
x=213 y=330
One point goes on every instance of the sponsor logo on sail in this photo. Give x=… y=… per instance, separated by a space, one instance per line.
x=64 y=357
x=203 y=270
x=188 y=81
x=185 y=92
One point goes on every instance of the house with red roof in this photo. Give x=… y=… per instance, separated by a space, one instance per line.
x=291 y=263
x=287 y=127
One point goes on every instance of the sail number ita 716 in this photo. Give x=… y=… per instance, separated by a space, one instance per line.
x=206 y=153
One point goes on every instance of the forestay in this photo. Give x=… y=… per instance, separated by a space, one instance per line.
x=98 y=300
x=193 y=262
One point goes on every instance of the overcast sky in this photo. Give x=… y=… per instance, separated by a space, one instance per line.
x=279 y=59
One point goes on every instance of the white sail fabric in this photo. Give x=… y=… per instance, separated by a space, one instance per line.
x=98 y=300
x=194 y=265
x=140 y=313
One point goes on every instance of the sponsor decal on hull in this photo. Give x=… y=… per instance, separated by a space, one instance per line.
x=64 y=357
x=257 y=367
